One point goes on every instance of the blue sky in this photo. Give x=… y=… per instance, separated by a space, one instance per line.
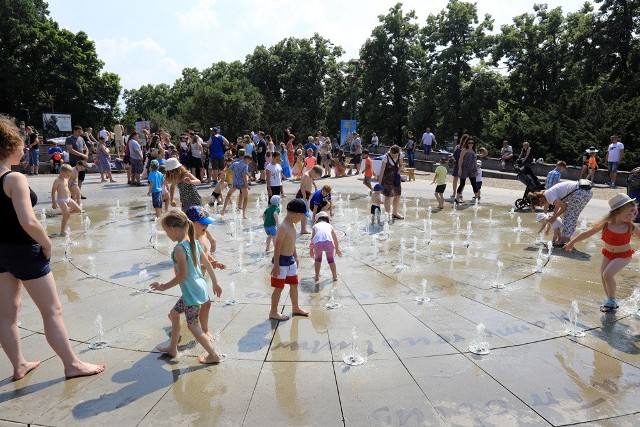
x=152 y=41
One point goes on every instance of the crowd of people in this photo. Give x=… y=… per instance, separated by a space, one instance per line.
x=153 y=160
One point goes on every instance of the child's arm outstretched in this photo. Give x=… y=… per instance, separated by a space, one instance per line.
x=335 y=242
x=217 y=290
x=181 y=271
x=584 y=235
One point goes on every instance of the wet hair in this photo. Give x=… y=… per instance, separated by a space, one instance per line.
x=175 y=175
x=10 y=139
x=536 y=198
x=178 y=219
x=317 y=169
x=326 y=188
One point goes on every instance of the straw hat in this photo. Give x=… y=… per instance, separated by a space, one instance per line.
x=172 y=163
x=619 y=200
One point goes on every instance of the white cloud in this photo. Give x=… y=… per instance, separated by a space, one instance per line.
x=199 y=18
x=138 y=62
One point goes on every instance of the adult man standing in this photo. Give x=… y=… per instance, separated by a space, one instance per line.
x=614 y=156
x=261 y=156
x=105 y=134
x=217 y=144
x=78 y=150
x=135 y=153
x=428 y=141
x=356 y=153
x=34 y=150
x=320 y=137
x=506 y=154
x=118 y=132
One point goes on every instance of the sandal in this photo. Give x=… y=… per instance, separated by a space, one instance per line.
x=607 y=308
x=397 y=216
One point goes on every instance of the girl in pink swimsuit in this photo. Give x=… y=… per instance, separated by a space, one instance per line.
x=617 y=228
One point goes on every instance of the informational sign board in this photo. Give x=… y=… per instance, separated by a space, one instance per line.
x=56 y=125
x=347 y=127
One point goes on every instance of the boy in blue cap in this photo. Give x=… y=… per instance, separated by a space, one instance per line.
x=156 y=182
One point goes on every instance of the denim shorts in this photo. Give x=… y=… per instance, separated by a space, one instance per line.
x=271 y=231
x=156 y=199
x=612 y=166
x=25 y=261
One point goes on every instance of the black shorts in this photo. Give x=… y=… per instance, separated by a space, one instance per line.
x=440 y=188
x=81 y=175
x=374 y=209
x=478 y=185
x=25 y=261
x=356 y=159
x=276 y=190
x=261 y=162
x=216 y=164
x=215 y=195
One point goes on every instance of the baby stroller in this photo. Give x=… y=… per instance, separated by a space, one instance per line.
x=531 y=182
x=633 y=187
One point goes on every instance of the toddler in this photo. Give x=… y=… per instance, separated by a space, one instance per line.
x=324 y=239
x=478 y=178
x=376 y=201
x=556 y=226
x=61 y=197
x=270 y=218
x=440 y=179
x=156 y=183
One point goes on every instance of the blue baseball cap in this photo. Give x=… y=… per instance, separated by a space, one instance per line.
x=377 y=187
x=199 y=214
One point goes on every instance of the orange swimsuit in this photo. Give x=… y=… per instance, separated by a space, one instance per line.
x=616 y=239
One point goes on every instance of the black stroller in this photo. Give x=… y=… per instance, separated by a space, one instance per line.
x=531 y=182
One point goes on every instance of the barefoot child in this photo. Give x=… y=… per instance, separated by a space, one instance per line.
x=310 y=161
x=185 y=257
x=324 y=239
x=285 y=258
x=221 y=185
x=617 y=228
x=556 y=226
x=321 y=201
x=270 y=218
x=178 y=176
x=156 y=182
x=61 y=197
x=376 y=201
x=240 y=170
x=440 y=179
x=307 y=188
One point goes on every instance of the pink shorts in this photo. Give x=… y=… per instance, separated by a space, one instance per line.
x=325 y=246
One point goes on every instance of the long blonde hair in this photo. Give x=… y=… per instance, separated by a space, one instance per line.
x=178 y=219
x=176 y=175
x=611 y=215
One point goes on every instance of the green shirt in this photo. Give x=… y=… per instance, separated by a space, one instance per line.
x=269 y=220
x=441 y=175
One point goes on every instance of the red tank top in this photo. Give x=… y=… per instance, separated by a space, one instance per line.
x=616 y=239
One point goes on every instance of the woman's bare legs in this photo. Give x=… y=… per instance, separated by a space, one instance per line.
x=44 y=295
x=10 y=301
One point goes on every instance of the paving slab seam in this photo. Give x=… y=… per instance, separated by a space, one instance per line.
x=335 y=377
x=599 y=419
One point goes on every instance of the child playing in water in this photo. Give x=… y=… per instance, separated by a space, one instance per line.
x=61 y=197
x=556 y=226
x=376 y=201
x=440 y=179
x=368 y=169
x=298 y=165
x=285 y=259
x=617 y=228
x=270 y=218
x=185 y=257
x=304 y=192
x=240 y=170
x=156 y=182
x=324 y=239
x=340 y=164
x=221 y=185
x=179 y=176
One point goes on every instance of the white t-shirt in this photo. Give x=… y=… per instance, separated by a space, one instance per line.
x=427 y=138
x=614 y=151
x=479 y=175
x=322 y=231
x=560 y=190
x=374 y=141
x=275 y=175
x=103 y=133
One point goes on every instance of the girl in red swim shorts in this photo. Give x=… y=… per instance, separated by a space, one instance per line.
x=617 y=228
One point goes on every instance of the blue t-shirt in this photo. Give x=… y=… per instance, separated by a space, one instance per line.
x=248 y=149
x=240 y=169
x=318 y=199
x=312 y=146
x=157 y=179
x=55 y=149
x=194 y=287
x=216 y=150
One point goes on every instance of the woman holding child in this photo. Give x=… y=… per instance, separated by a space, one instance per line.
x=25 y=251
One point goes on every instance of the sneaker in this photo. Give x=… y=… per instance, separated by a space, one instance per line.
x=83 y=198
x=614 y=186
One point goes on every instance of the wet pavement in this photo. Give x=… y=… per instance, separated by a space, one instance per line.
x=418 y=368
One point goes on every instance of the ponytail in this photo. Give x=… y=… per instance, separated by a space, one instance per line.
x=192 y=245
x=178 y=219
